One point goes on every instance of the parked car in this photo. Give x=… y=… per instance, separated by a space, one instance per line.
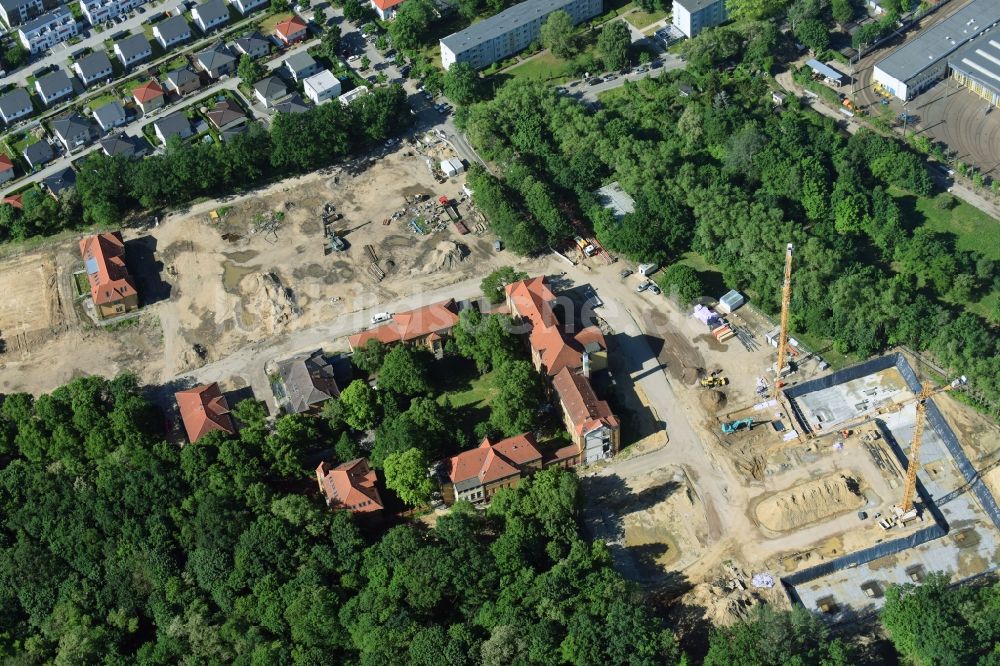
x=625 y=273
x=380 y=317
x=653 y=289
x=642 y=287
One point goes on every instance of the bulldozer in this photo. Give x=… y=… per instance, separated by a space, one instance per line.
x=709 y=382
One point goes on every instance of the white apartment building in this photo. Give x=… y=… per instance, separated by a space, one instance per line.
x=693 y=16
x=16 y=12
x=510 y=31
x=321 y=87
x=47 y=30
x=101 y=11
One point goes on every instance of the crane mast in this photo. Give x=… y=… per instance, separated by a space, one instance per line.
x=910 y=490
x=786 y=300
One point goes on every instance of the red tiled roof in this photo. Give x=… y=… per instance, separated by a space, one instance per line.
x=104 y=254
x=15 y=200
x=350 y=486
x=387 y=4
x=491 y=462
x=405 y=326
x=204 y=409
x=586 y=412
x=147 y=92
x=531 y=300
x=290 y=27
x=5 y=162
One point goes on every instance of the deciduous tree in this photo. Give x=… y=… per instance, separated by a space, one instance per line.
x=406 y=474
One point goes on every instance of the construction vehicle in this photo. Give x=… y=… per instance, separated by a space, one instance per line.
x=780 y=370
x=714 y=381
x=588 y=249
x=736 y=426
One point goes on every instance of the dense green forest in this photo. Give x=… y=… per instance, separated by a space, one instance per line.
x=117 y=548
x=722 y=173
x=109 y=189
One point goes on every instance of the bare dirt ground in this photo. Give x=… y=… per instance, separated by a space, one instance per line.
x=212 y=286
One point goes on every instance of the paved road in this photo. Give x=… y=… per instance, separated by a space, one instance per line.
x=589 y=93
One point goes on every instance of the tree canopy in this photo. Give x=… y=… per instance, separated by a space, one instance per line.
x=558 y=34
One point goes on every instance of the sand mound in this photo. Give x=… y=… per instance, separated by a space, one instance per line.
x=267 y=304
x=713 y=399
x=809 y=502
x=445 y=256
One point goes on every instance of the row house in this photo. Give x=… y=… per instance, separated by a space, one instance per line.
x=102 y=11
x=47 y=30
x=16 y=12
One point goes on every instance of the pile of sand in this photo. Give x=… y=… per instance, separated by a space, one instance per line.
x=267 y=304
x=809 y=502
x=713 y=400
x=445 y=256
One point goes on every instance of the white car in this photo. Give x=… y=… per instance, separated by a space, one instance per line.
x=380 y=317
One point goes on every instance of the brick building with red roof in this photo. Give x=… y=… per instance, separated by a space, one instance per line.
x=204 y=409
x=149 y=96
x=477 y=474
x=595 y=430
x=350 y=486
x=111 y=287
x=427 y=326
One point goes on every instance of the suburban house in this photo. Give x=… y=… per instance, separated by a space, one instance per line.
x=427 y=327
x=47 y=30
x=386 y=9
x=148 y=96
x=226 y=115
x=74 y=131
x=269 y=90
x=244 y=7
x=693 y=16
x=173 y=30
x=182 y=81
x=216 y=61
x=133 y=50
x=100 y=11
x=54 y=87
x=15 y=104
x=477 y=474
x=93 y=68
x=291 y=31
x=531 y=301
x=176 y=124
x=350 y=486
x=348 y=97
x=308 y=381
x=111 y=286
x=110 y=116
x=293 y=104
x=301 y=65
x=210 y=15
x=595 y=430
x=122 y=144
x=16 y=12
x=59 y=182
x=253 y=45
x=204 y=409
x=6 y=168
x=38 y=154
x=321 y=87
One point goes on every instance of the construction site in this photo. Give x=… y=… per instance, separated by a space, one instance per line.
x=252 y=268
x=795 y=485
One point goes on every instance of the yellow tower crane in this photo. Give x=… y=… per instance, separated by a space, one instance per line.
x=905 y=509
x=786 y=301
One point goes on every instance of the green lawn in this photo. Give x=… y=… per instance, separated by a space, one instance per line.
x=543 y=67
x=268 y=23
x=100 y=101
x=468 y=393
x=24 y=140
x=478 y=393
x=640 y=19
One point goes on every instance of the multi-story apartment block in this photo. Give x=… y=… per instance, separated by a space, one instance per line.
x=100 y=11
x=693 y=16
x=510 y=31
x=47 y=30
x=16 y=12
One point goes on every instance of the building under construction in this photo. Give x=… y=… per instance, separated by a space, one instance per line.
x=958 y=528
